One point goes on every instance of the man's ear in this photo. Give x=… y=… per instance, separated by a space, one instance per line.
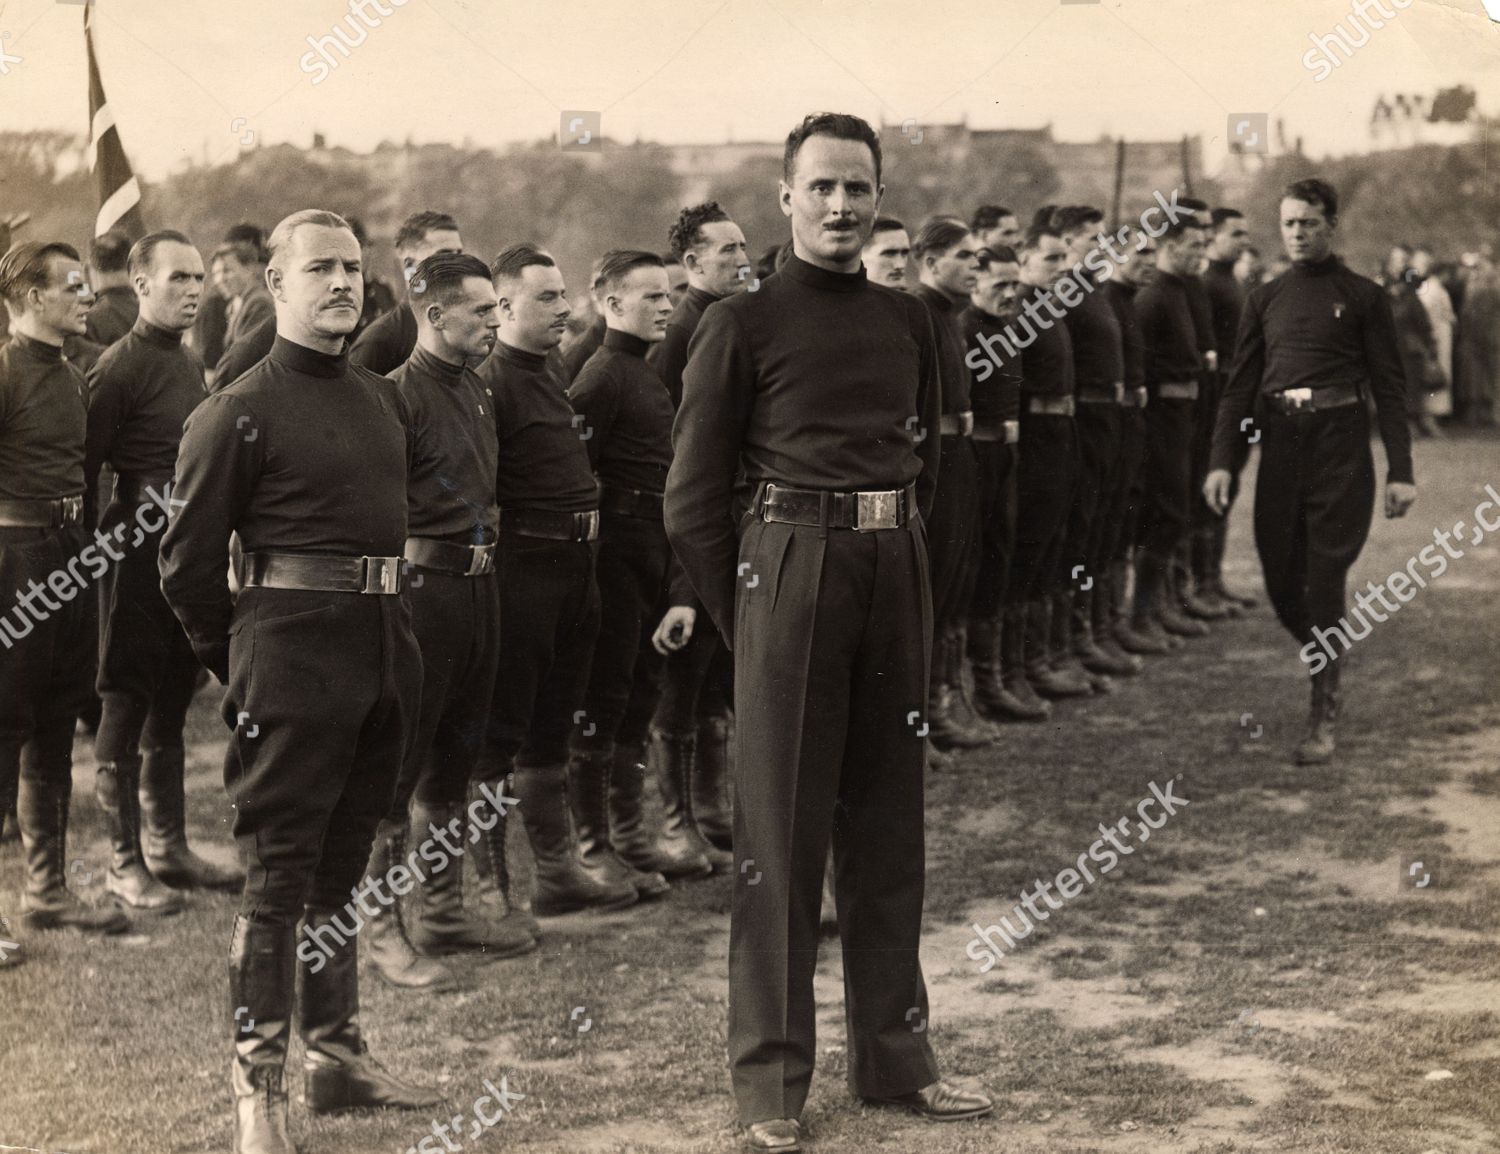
x=273 y=282
x=784 y=197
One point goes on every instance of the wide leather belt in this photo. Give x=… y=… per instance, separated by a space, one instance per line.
x=133 y=488
x=1113 y=394
x=861 y=510
x=1051 y=406
x=450 y=557
x=630 y=502
x=551 y=526
x=1178 y=390
x=1313 y=400
x=957 y=424
x=1135 y=398
x=324 y=572
x=990 y=429
x=47 y=514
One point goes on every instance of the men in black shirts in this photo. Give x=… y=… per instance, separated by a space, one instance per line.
x=306 y=457
x=455 y=612
x=1229 y=240
x=996 y=633
x=1313 y=345
x=1048 y=470
x=140 y=393
x=47 y=639
x=888 y=253
x=813 y=389
x=995 y=227
x=1173 y=363
x=549 y=601
x=947 y=269
x=690 y=731
x=625 y=413
x=387 y=342
x=114 y=308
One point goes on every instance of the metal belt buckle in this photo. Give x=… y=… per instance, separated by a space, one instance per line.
x=966 y=422
x=1297 y=398
x=1119 y=392
x=481 y=560
x=71 y=509
x=382 y=575
x=586 y=524
x=1012 y=432
x=875 y=510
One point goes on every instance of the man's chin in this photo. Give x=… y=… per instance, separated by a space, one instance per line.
x=336 y=323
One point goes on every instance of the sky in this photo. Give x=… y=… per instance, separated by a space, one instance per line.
x=196 y=80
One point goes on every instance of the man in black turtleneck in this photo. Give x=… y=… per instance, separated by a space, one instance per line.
x=690 y=731
x=817 y=385
x=306 y=458
x=1313 y=346
x=47 y=636
x=455 y=608
x=549 y=600
x=947 y=269
x=625 y=415
x=140 y=392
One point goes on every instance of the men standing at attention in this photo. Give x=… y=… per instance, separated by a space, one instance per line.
x=690 y=732
x=140 y=392
x=625 y=415
x=455 y=613
x=306 y=458
x=47 y=659
x=813 y=389
x=549 y=600
x=1313 y=346
x=386 y=343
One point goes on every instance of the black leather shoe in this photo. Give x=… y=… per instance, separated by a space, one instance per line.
x=942 y=1102
x=781 y=1135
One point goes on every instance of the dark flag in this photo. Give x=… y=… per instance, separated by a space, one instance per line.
x=119 y=193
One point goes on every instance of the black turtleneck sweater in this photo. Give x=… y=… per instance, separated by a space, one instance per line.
x=947 y=329
x=1047 y=361
x=626 y=413
x=818 y=380
x=451 y=488
x=43 y=422
x=1098 y=356
x=1315 y=326
x=305 y=453
x=140 y=392
x=113 y=315
x=994 y=390
x=542 y=463
x=384 y=346
x=669 y=356
x=1170 y=335
x=1121 y=298
x=1226 y=296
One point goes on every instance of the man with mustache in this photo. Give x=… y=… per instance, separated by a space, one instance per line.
x=141 y=391
x=305 y=457
x=690 y=730
x=46 y=658
x=811 y=390
x=549 y=599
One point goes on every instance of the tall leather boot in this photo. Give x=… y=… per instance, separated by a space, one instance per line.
x=563 y=886
x=673 y=755
x=945 y=730
x=339 y=1073
x=961 y=678
x=391 y=953
x=1146 y=633
x=710 y=783
x=1013 y=634
x=164 y=843
x=1317 y=747
x=1103 y=605
x=492 y=865
x=442 y=925
x=1046 y=681
x=588 y=791
x=261 y=981
x=627 y=822
x=1204 y=587
x=1090 y=654
x=115 y=785
x=994 y=691
x=48 y=903
x=1060 y=647
x=1169 y=609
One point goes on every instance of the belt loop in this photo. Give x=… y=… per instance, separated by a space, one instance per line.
x=823 y=515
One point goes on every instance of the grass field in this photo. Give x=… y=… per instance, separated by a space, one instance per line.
x=1262 y=975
